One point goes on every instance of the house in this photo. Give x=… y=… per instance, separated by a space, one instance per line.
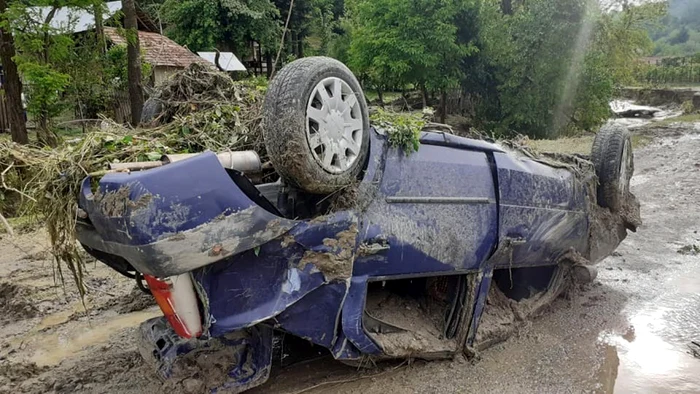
x=164 y=54
x=651 y=60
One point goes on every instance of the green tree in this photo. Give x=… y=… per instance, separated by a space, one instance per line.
x=301 y=23
x=396 y=43
x=622 y=37
x=44 y=52
x=323 y=25
x=12 y=82
x=222 y=24
x=530 y=53
x=549 y=67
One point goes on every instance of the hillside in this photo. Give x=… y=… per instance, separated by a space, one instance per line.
x=679 y=32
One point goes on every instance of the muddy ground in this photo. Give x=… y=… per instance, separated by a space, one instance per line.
x=627 y=332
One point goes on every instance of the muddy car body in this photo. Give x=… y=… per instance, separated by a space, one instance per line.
x=402 y=264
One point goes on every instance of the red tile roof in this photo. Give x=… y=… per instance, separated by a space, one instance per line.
x=159 y=50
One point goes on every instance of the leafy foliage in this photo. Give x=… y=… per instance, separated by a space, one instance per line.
x=618 y=39
x=322 y=30
x=688 y=107
x=115 y=72
x=205 y=24
x=397 y=43
x=46 y=55
x=678 y=33
x=544 y=68
x=402 y=128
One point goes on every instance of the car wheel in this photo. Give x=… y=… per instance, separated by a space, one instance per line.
x=614 y=165
x=316 y=125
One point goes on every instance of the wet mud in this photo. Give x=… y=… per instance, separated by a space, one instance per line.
x=337 y=262
x=15 y=303
x=419 y=326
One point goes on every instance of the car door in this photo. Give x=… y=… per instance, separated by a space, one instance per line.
x=435 y=212
x=541 y=206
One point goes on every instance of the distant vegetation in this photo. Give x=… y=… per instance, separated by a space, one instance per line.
x=678 y=33
x=535 y=67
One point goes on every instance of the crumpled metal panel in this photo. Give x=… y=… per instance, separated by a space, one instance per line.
x=313 y=317
x=175 y=218
x=257 y=285
x=250 y=350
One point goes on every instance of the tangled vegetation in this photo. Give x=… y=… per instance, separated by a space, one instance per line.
x=205 y=110
x=402 y=128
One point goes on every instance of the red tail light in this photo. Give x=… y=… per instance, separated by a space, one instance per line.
x=176 y=298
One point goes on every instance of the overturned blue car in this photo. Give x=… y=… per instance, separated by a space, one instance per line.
x=358 y=247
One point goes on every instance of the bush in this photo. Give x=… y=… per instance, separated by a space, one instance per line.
x=688 y=107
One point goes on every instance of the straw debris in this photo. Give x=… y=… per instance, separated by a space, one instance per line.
x=199 y=109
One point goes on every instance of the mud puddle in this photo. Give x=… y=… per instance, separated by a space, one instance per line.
x=52 y=348
x=654 y=354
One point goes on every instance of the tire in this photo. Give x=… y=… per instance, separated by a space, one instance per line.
x=152 y=109
x=317 y=156
x=613 y=160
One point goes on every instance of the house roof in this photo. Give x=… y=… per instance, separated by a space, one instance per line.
x=159 y=50
x=227 y=60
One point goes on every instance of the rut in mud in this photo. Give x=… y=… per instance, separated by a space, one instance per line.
x=15 y=303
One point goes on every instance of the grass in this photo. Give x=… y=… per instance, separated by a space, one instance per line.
x=21 y=224
x=569 y=145
x=371 y=96
x=689 y=118
x=580 y=145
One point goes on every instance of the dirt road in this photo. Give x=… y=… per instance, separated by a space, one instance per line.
x=628 y=332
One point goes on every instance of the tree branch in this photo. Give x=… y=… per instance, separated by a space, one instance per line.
x=7 y=225
x=284 y=32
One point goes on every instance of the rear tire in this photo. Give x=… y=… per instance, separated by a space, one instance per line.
x=614 y=165
x=316 y=125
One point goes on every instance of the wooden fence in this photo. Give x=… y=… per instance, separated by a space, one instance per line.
x=4 y=114
x=121 y=106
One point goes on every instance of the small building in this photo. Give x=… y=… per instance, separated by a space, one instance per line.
x=227 y=61
x=164 y=54
x=652 y=60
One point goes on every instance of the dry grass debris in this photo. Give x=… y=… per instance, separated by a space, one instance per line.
x=201 y=110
